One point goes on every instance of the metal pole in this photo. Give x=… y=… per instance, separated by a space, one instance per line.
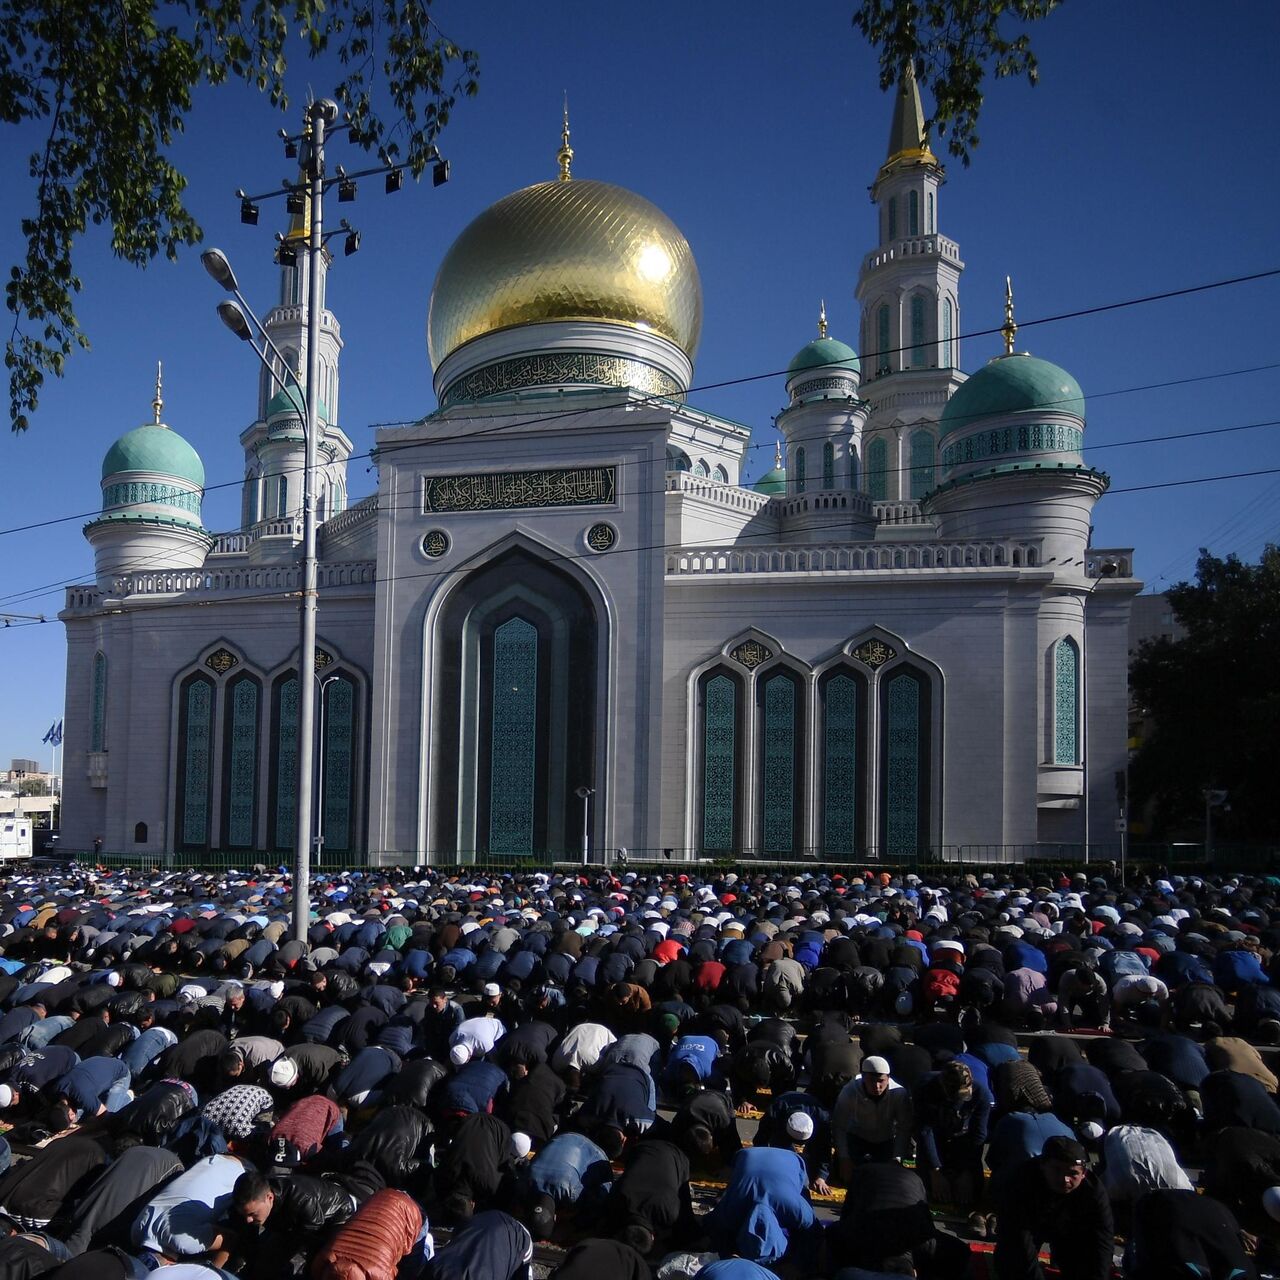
x=319 y=837
x=1208 y=826
x=1084 y=716
x=586 y=802
x=319 y=114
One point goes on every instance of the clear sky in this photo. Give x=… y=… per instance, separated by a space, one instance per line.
x=1144 y=161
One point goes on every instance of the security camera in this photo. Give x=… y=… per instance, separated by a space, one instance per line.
x=1109 y=567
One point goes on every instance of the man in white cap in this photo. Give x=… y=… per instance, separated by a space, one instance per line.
x=799 y=1121
x=872 y=1118
x=479 y=1035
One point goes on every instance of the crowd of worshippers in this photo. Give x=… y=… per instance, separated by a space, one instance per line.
x=639 y=1075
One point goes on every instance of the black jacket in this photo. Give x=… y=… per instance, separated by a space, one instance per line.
x=1077 y=1227
x=304 y=1203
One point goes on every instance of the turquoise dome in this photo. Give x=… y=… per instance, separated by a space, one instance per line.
x=154 y=448
x=1013 y=384
x=830 y=353
x=773 y=483
x=292 y=399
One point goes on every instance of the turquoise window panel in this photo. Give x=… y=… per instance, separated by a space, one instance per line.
x=922 y=463
x=800 y=471
x=1066 y=702
x=339 y=764
x=913 y=213
x=778 y=782
x=719 y=763
x=828 y=465
x=878 y=470
x=514 y=750
x=902 y=785
x=98 y=713
x=929 y=224
x=948 y=320
x=286 y=790
x=197 y=763
x=840 y=764
x=882 y=339
x=242 y=765
x=917 y=331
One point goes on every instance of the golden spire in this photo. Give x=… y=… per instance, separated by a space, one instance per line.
x=157 y=405
x=565 y=154
x=1008 y=330
x=777 y=454
x=822 y=318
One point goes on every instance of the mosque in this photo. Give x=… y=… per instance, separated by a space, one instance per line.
x=563 y=623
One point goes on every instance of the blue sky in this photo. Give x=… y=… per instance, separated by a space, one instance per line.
x=1143 y=162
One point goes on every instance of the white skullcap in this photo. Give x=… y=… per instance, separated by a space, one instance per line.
x=6 y=1096
x=875 y=1066
x=284 y=1073
x=800 y=1126
x=1271 y=1202
x=492 y=989
x=1091 y=1130
x=114 y=978
x=522 y=1143
x=460 y=1055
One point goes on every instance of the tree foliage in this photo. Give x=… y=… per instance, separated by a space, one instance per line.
x=953 y=44
x=109 y=85
x=1213 y=701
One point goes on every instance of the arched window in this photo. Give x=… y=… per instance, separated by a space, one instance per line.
x=853 y=469
x=701 y=468
x=241 y=709
x=252 y=498
x=893 y=217
x=282 y=805
x=140 y=833
x=828 y=465
x=922 y=456
x=904 y=763
x=842 y=705
x=195 y=761
x=514 y=737
x=878 y=470
x=719 y=745
x=98 y=704
x=720 y=474
x=781 y=769
x=677 y=459
x=322 y=505
x=800 y=470
x=929 y=199
x=917 y=331
x=1066 y=702
x=913 y=213
x=337 y=769
x=882 y=339
x=947 y=321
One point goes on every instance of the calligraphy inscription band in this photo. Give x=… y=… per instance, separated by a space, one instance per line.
x=511 y=490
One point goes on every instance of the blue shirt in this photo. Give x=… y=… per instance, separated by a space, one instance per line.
x=567 y=1164
x=700 y=1052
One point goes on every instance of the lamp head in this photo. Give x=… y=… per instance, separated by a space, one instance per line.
x=216 y=264
x=234 y=318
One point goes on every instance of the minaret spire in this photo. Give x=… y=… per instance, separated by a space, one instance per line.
x=822 y=318
x=908 y=138
x=157 y=405
x=1009 y=330
x=565 y=154
x=777 y=453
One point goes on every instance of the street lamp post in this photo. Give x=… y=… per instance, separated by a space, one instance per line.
x=584 y=794
x=319 y=836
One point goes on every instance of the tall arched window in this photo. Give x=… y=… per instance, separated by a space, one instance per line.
x=701 y=468
x=720 y=474
x=893 y=218
x=828 y=465
x=195 y=761
x=922 y=463
x=283 y=798
x=677 y=459
x=878 y=470
x=781 y=771
x=719 y=744
x=1066 y=702
x=904 y=755
x=800 y=470
x=341 y=718
x=913 y=213
x=917 y=331
x=929 y=199
x=842 y=700
x=241 y=710
x=947 y=321
x=514 y=737
x=882 y=339
x=853 y=469
x=98 y=704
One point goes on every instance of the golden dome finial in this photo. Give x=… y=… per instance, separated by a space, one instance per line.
x=822 y=318
x=777 y=454
x=1009 y=330
x=565 y=154
x=157 y=405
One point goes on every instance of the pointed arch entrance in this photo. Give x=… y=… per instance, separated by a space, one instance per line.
x=514 y=712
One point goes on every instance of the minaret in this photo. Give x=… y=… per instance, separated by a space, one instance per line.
x=273 y=444
x=908 y=288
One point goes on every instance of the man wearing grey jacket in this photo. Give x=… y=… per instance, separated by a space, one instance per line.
x=871 y=1119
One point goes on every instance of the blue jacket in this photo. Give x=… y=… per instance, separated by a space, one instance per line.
x=473 y=1088
x=762 y=1204
x=567 y=1165
x=87 y=1084
x=701 y=1052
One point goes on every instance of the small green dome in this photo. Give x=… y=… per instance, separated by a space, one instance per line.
x=154 y=448
x=773 y=483
x=1013 y=384
x=292 y=399
x=824 y=352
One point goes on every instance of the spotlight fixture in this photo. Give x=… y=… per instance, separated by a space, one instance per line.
x=351 y=244
x=440 y=173
x=287 y=254
x=248 y=212
x=290 y=145
x=346 y=190
x=295 y=201
x=395 y=180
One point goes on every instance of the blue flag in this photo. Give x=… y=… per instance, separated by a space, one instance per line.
x=57 y=735
x=53 y=728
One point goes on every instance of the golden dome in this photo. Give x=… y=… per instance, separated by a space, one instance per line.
x=566 y=250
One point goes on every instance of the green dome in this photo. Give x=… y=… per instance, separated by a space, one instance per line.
x=773 y=483
x=824 y=352
x=292 y=399
x=154 y=448
x=1013 y=384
